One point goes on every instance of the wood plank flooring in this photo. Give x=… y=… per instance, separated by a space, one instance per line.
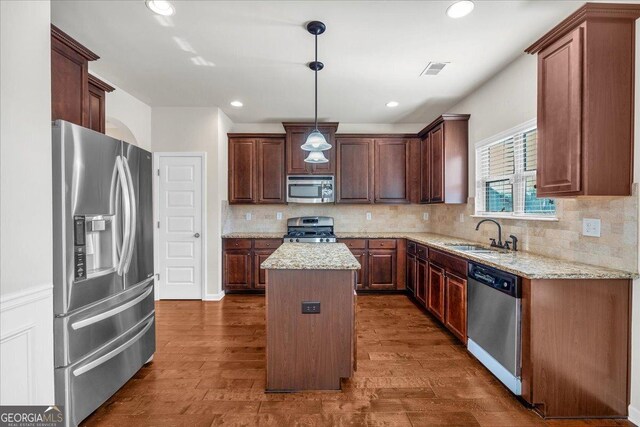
x=209 y=370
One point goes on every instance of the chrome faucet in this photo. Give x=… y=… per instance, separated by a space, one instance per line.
x=499 y=244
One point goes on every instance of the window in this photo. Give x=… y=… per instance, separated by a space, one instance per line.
x=506 y=176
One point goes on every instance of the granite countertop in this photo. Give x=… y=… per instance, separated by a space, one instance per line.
x=523 y=264
x=311 y=256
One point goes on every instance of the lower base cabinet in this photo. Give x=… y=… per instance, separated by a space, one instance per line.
x=382 y=268
x=241 y=259
x=438 y=283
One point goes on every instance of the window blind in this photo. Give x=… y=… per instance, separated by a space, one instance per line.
x=506 y=176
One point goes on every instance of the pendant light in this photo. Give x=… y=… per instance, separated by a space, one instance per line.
x=316 y=142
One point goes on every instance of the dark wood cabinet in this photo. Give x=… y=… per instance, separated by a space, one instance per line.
x=391 y=170
x=422 y=281
x=455 y=318
x=354 y=176
x=586 y=102
x=382 y=261
x=412 y=264
x=270 y=171
x=382 y=269
x=97 y=101
x=237 y=269
x=70 y=98
x=256 y=169
x=296 y=135
x=443 y=155
x=435 y=298
x=241 y=263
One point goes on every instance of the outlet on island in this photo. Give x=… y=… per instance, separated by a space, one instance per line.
x=310 y=307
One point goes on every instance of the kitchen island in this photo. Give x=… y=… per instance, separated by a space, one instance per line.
x=310 y=304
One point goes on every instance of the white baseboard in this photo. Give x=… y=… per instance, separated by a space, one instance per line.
x=26 y=347
x=634 y=415
x=214 y=297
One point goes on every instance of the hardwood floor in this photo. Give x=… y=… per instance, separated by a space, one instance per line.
x=209 y=370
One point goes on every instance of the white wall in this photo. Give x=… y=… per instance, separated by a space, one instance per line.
x=25 y=202
x=177 y=129
x=127 y=118
x=506 y=100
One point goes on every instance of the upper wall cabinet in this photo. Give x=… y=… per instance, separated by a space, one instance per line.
x=375 y=168
x=69 y=78
x=296 y=135
x=585 y=102
x=256 y=169
x=97 y=95
x=444 y=146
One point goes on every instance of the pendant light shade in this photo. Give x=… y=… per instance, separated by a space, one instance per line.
x=316 y=142
x=316 y=157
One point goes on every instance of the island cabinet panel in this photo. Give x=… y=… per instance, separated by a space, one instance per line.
x=575 y=348
x=296 y=135
x=435 y=300
x=392 y=170
x=443 y=171
x=354 y=176
x=586 y=102
x=256 y=169
x=241 y=261
x=455 y=318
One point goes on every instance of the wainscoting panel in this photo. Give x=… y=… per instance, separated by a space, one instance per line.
x=26 y=347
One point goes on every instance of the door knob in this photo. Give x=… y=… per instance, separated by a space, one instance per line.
x=196 y=235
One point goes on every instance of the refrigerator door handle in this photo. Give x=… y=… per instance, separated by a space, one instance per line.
x=126 y=208
x=113 y=353
x=110 y=313
x=134 y=214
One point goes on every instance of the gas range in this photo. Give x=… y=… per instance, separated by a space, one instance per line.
x=310 y=229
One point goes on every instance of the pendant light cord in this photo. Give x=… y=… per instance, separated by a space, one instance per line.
x=316 y=86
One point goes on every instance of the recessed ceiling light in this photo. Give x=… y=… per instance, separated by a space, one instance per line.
x=161 y=7
x=460 y=9
x=392 y=104
x=236 y=104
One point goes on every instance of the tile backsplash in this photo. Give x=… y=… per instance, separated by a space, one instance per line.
x=616 y=248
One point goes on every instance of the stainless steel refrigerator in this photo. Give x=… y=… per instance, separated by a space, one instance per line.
x=104 y=317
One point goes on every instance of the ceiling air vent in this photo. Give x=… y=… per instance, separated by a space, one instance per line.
x=433 y=68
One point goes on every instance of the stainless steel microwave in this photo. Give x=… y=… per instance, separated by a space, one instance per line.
x=310 y=189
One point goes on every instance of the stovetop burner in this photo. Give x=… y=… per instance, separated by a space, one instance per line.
x=310 y=229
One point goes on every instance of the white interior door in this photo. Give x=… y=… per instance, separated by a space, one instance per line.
x=181 y=234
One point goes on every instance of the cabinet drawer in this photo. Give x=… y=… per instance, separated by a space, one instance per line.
x=267 y=243
x=382 y=243
x=354 y=243
x=237 y=243
x=411 y=247
x=449 y=262
x=422 y=252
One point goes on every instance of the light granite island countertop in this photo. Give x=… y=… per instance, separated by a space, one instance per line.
x=311 y=256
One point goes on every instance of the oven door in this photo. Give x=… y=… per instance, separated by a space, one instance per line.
x=310 y=190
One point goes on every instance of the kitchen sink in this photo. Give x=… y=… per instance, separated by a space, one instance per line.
x=469 y=248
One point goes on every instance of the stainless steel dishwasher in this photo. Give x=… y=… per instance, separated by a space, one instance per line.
x=494 y=331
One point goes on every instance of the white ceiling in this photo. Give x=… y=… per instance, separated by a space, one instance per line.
x=373 y=52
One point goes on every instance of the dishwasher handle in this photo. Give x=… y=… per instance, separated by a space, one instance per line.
x=497 y=279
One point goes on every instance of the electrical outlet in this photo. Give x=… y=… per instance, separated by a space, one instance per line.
x=461 y=217
x=247 y=216
x=425 y=216
x=310 y=307
x=591 y=227
x=279 y=216
x=368 y=216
